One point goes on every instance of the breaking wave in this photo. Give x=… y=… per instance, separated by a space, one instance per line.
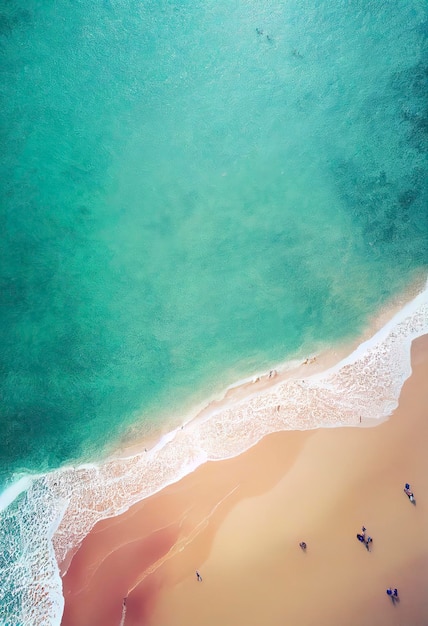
x=44 y=517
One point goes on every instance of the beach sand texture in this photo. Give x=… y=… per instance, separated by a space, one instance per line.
x=239 y=522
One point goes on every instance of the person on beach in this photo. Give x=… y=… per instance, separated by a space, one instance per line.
x=393 y=594
x=409 y=492
x=198 y=577
x=302 y=544
x=360 y=537
x=368 y=542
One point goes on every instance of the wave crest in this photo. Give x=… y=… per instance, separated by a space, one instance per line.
x=58 y=509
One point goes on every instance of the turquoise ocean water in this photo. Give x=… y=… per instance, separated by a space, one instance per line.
x=185 y=199
x=192 y=191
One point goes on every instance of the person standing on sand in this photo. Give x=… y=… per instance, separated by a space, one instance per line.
x=362 y=537
x=393 y=594
x=303 y=545
x=198 y=577
x=409 y=492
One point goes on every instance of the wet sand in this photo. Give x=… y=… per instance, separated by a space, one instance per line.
x=239 y=522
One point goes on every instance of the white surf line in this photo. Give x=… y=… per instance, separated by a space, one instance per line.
x=416 y=307
x=419 y=328
x=14 y=490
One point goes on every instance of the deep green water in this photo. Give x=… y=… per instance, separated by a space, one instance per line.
x=185 y=201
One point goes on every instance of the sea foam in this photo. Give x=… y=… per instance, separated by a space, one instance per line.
x=44 y=517
x=13 y=491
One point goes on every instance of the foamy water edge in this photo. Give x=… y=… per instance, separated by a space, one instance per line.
x=59 y=509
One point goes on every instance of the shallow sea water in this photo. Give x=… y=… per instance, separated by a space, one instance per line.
x=185 y=201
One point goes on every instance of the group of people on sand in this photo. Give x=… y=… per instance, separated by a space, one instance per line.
x=392 y=593
x=362 y=537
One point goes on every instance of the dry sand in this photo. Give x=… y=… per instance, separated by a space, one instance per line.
x=239 y=522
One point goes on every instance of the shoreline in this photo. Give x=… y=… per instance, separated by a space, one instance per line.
x=318 y=361
x=123 y=481
x=106 y=490
x=239 y=523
